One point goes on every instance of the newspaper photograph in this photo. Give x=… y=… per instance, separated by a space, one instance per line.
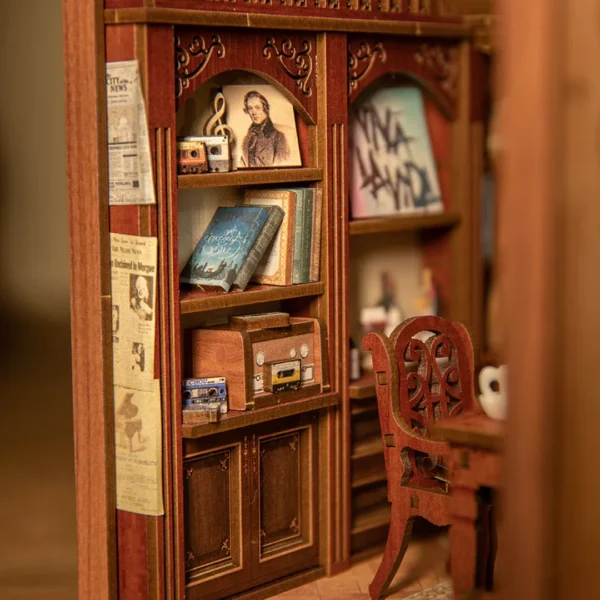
x=133 y=261
x=138 y=450
x=129 y=159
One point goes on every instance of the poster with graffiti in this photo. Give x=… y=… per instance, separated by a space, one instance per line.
x=393 y=168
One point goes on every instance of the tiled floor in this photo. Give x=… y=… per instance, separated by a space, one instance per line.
x=424 y=566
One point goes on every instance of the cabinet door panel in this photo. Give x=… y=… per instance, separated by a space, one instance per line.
x=282 y=523
x=286 y=536
x=214 y=540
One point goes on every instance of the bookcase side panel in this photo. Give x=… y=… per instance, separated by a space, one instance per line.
x=465 y=238
x=90 y=298
x=333 y=123
x=141 y=539
x=156 y=50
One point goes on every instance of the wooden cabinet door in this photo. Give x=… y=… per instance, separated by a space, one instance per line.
x=285 y=497
x=217 y=535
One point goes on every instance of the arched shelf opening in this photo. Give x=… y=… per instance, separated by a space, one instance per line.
x=199 y=108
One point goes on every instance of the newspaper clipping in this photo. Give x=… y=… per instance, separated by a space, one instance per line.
x=129 y=165
x=137 y=394
x=138 y=450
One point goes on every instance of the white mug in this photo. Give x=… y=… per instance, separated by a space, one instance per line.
x=493 y=402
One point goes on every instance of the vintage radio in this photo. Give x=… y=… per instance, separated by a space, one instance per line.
x=191 y=156
x=267 y=359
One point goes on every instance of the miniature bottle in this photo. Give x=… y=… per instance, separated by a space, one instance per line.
x=354 y=361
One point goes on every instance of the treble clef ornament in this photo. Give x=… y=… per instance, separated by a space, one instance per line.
x=215 y=126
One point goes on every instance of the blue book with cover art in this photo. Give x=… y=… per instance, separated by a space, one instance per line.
x=224 y=246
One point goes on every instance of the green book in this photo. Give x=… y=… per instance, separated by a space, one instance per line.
x=302 y=233
x=307 y=232
x=298 y=235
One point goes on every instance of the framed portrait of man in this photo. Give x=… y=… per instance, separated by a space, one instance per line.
x=264 y=126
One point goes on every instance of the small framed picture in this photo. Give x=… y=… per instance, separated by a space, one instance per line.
x=264 y=127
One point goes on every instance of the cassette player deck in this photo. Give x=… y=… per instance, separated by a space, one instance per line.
x=271 y=358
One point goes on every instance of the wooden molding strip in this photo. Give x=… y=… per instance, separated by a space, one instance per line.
x=392 y=224
x=195 y=301
x=175 y=16
x=249 y=177
x=238 y=419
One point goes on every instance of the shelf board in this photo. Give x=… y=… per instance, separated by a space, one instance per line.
x=235 y=419
x=390 y=224
x=362 y=409
x=249 y=177
x=363 y=388
x=194 y=301
x=370 y=480
x=378 y=516
x=371 y=446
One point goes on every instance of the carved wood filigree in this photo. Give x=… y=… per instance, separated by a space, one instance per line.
x=361 y=61
x=365 y=4
x=226 y=547
x=294 y=525
x=294 y=444
x=191 y=59
x=442 y=61
x=297 y=64
x=188 y=472
x=434 y=388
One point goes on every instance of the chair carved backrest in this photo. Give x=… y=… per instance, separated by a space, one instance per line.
x=435 y=371
x=424 y=372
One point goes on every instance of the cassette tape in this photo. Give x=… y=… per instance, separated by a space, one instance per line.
x=281 y=376
x=191 y=156
x=197 y=414
x=205 y=390
x=218 y=151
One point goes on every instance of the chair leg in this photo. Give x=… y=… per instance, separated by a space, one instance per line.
x=397 y=541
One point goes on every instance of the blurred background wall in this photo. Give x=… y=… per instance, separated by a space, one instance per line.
x=37 y=506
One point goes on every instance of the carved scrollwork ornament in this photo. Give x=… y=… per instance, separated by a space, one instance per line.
x=294 y=525
x=226 y=547
x=361 y=61
x=188 y=472
x=297 y=64
x=442 y=61
x=191 y=59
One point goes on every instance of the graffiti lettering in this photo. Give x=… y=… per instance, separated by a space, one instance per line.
x=406 y=182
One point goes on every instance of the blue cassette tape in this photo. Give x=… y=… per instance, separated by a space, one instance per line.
x=208 y=389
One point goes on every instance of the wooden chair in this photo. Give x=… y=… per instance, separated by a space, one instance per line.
x=417 y=383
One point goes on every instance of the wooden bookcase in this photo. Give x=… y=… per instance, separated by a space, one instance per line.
x=222 y=530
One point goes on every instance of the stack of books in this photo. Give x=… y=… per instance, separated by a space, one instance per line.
x=274 y=238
